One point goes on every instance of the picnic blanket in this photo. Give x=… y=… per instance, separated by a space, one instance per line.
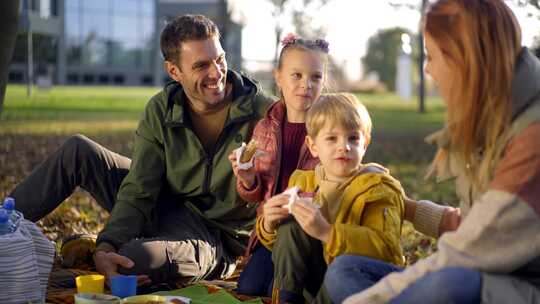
x=209 y=294
x=61 y=289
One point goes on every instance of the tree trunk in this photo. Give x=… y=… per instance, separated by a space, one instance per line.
x=9 y=21
x=422 y=87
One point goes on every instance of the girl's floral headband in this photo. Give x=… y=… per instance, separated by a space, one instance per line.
x=291 y=39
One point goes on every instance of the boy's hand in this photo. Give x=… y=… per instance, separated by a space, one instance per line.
x=450 y=220
x=246 y=177
x=273 y=211
x=309 y=217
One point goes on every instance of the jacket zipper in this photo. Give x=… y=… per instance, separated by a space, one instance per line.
x=209 y=158
x=208 y=173
x=279 y=142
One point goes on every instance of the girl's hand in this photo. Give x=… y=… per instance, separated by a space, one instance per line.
x=246 y=177
x=309 y=217
x=274 y=212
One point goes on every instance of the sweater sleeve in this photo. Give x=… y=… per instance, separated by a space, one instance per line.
x=427 y=218
x=508 y=213
x=253 y=195
x=376 y=235
x=256 y=193
x=266 y=238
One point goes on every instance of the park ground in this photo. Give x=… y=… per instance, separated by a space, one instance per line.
x=33 y=127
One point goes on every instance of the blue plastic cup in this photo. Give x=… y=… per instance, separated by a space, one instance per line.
x=124 y=285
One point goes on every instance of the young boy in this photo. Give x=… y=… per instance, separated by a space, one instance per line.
x=356 y=208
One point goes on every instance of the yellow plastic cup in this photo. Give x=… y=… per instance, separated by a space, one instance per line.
x=92 y=283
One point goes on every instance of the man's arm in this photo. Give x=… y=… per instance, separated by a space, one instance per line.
x=140 y=189
x=136 y=198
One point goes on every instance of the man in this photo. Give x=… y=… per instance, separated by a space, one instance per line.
x=176 y=214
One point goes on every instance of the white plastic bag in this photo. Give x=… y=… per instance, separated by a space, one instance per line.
x=294 y=196
x=26 y=258
x=238 y=153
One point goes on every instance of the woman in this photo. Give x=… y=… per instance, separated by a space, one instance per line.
x=492 y=89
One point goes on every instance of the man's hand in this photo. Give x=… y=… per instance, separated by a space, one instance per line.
x=274 y=212
x=309 y=217
x=246 y=177
x=450 y=220
x=107 y=264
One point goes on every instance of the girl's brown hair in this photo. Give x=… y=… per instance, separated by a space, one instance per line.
x=481 y=40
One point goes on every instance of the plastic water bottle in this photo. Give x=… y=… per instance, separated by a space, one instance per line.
x=9 y=205
x=14 y=217
x=5 y=223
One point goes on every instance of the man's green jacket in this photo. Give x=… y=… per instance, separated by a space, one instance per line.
x=170 y=166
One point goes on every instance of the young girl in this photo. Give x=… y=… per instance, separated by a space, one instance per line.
x=300 y=76
x=492 y=89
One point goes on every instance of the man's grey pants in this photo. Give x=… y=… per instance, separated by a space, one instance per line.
x=183 y=247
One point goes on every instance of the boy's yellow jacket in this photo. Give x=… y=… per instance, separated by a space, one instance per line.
x=368 y=221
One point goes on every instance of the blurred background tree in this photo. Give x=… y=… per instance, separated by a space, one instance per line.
x=536 y=46
x=382 y=52
x=302 y=19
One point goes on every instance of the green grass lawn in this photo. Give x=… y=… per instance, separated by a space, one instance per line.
x=100 y=109
x=32 y=128
x=390 y=114
x=66 y=110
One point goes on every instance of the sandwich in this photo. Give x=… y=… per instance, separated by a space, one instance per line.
x=249 y=151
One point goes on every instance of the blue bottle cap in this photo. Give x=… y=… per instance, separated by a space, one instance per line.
x=9 y=203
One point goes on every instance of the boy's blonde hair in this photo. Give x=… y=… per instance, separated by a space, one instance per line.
x=342 y=109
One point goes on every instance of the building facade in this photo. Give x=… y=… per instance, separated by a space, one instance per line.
x=106 y=42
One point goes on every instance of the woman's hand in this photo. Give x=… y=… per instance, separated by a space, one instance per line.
x=311 y=220
x=450 y=220
x=274 y=212
x=246 y=177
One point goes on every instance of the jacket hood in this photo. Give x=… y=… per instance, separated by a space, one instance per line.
x=374 y=174
x=276 y=112
x=526 y=82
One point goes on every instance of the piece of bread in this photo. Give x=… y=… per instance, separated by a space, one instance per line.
x=249 y=151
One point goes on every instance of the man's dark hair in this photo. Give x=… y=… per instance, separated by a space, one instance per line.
x=184 y=28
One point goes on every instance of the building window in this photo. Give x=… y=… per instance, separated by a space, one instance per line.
x=118 y=79
x=73 y=78
x=45 y=9
x=103 y=79
x=88 y=78
x=115 y=33
x=147 y=80
x=16 y=77
x=54 y=8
